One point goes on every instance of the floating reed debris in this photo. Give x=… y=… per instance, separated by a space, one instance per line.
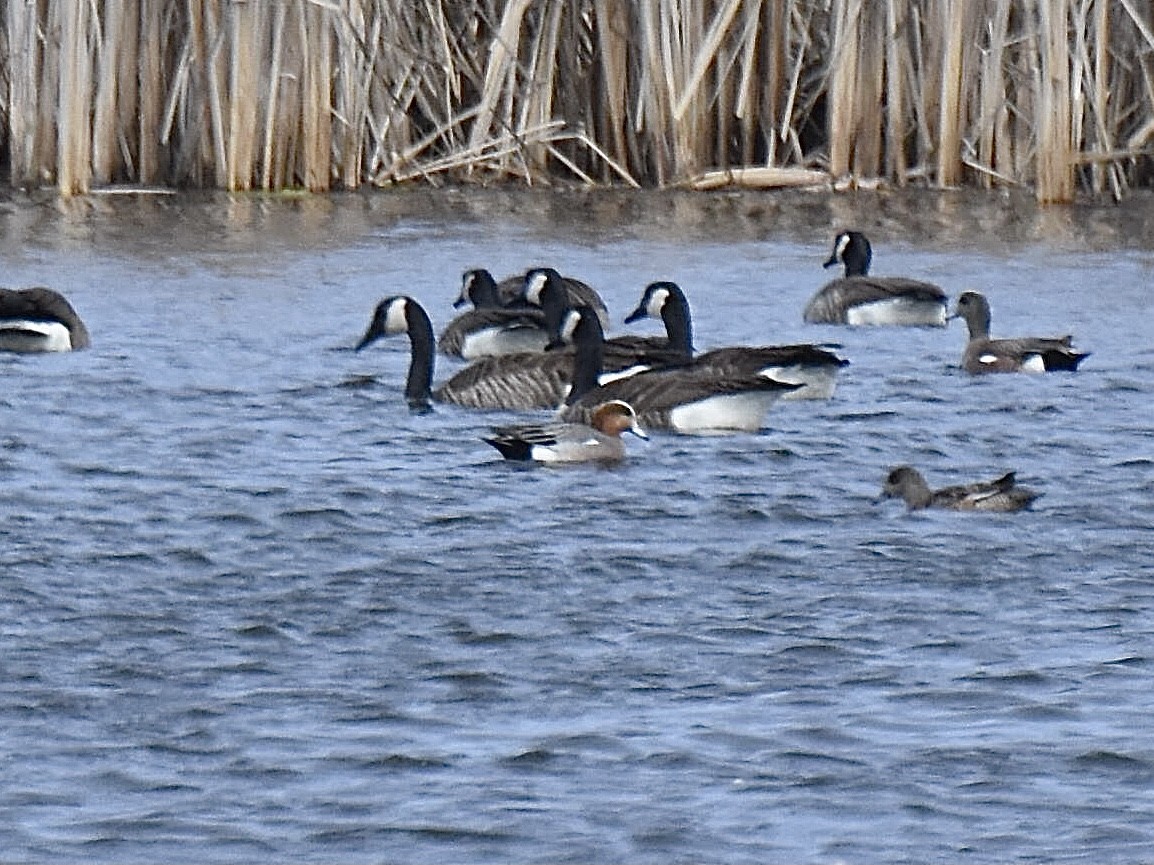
x=322 y=94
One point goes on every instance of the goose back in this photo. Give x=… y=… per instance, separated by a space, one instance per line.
x=35 y=320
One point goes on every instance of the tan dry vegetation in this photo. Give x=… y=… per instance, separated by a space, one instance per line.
x=1057 y=95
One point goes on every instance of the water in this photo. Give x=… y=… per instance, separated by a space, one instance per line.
x=255 y=610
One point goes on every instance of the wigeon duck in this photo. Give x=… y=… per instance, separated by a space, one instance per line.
x=491 y=327
x=1000 y=495
x=597 y=441
x=39 y=320
x=861 y=299
x=1025 y=354
x=684 y=398
x=809 y=365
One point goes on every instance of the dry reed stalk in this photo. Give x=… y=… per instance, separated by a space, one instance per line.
x=772 y=68
x=924 y=90
x=614 y=166
x=895 y=108
x=501 y=60
x=268 y=159
x=785 y=128
x=24 y=61
x=950 y=119
x=244 y=24
x=677 y=31
x=1088 y=131
x=846 y=21
x=867 y=98
x=211 y=41
x=541 y=82
x=358 y=48
x=73 y=127
x=489 y=154
x=762 y=178
x=993 y=136
x=1055 y=172
x=151 y=87
x=316 y=121
x=1100 y=40
x=705 y=56
x=1140 y=21
x=613 y=52
x=748 y=95
x=105 y=114
x=234 y=93
x=649 y=104
x=391 y=173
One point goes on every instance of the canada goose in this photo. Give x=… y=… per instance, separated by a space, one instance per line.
x=1001 y=495
x=1024 y=354
x=861 y=299
x=628 y=353
x=534 y=380
x=804 y=364
x=39 y=320
x=490 y=328
x=560 y=442
x=682 y=398
x=514 y=292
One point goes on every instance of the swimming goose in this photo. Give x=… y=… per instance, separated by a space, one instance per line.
x=861 y=299
x=39 y=320
x=1025 y=354
x=597 y=441
x=490 y=328
x=808 y=365
x=625 y=354
x=1001 y=495
x=533 y=380
x=573 y=293
x=681 y=398
x=512 y=381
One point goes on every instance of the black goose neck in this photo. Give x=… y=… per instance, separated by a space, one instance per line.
x=588 y=355
x=678 y=323
x=857 y=256
x=554 y=303
x=419 y=385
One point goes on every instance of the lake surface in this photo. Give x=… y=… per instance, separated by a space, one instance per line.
x=253 y=609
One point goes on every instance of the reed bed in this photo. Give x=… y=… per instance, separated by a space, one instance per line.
x=1055 y=95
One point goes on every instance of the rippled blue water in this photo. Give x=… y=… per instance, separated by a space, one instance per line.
x=252 y=609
